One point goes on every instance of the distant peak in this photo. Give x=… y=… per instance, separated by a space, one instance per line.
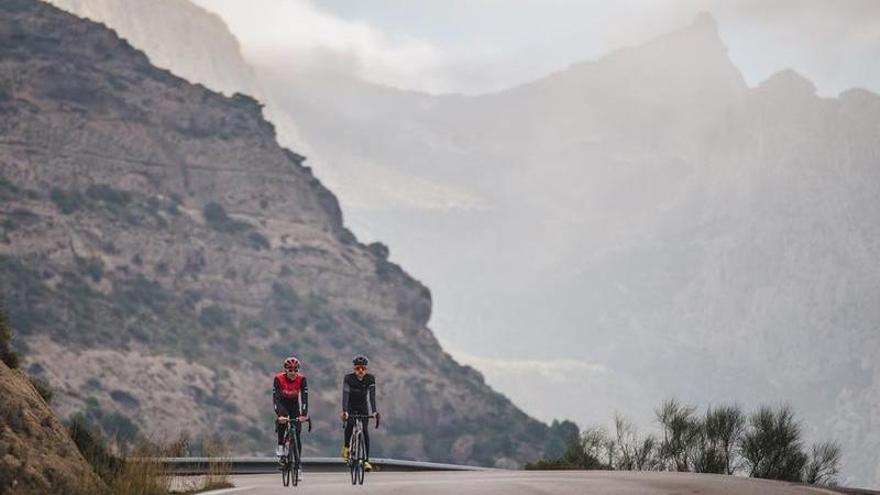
x=706 y=21
x=790 y=81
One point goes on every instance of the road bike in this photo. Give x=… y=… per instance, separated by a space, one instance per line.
x=290 y=464
x=357 y=450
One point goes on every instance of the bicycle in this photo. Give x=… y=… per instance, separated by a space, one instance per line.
x=357 y=451
x=291 y=463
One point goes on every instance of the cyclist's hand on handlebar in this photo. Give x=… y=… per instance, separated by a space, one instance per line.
x=302 y=419
x=344 y=416
x=283 y=419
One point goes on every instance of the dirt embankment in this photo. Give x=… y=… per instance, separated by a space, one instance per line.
x=36 y=453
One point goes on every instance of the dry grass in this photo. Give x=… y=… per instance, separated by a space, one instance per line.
x=220 y=465
x=141 y=471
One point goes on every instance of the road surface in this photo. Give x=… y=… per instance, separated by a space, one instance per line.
x=519 y=482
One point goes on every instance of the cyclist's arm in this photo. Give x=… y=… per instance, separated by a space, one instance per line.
x=372 y=393
x=346 y=394
x=276 y=398
x=304 y=396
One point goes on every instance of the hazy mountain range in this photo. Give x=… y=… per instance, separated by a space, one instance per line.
x=631 y=228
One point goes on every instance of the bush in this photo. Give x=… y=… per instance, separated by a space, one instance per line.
x=216 y=218
x=66 y=201
x=106 y=194
x=42 y=387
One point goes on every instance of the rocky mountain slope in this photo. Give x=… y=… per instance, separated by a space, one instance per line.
x=36 y=453
x=161 y=253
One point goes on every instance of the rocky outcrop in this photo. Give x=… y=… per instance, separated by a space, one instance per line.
x=36 y=453
x=161 y=254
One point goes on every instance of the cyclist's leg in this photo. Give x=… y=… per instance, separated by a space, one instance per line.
x=279 y=429
x=349 y=426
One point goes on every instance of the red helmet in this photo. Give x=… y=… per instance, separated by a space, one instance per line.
x=291 y=364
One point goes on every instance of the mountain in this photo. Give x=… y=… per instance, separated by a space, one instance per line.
x=190 y=42
x=160 y=255
x=645 y=224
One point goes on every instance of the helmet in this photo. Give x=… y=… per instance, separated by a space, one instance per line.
x=360 y=360
x=291 y=364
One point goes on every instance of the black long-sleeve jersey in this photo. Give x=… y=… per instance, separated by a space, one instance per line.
x=355 y=394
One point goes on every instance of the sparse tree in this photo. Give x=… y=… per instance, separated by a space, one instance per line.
x=823 y=466
x=633 y=453
x=771 y=446
x=681 y=433
x=719 y=433
x=588 y=452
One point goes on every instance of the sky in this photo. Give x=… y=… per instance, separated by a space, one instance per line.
x=480 y=46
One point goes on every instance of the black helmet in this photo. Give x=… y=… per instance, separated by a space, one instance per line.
x=360 y=360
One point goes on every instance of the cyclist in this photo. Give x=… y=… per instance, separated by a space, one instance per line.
x=291 y=398
x=357 y=389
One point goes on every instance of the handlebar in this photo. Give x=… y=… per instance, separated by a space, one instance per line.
x=364 y=416
x=297 y=420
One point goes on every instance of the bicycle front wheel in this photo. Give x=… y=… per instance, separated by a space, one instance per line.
x=361 y=457
x=354 y=464
x=295 y=462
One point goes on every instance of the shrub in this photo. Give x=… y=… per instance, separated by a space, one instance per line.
x=215 y=317
x=259 y=241
x=216 y=218
x=106 y=194
x=42 y=387
x=66 y=201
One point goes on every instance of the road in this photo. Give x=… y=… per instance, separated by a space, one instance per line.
x=519 y=482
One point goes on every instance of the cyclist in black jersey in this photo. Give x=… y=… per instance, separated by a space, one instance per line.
x=358 y=392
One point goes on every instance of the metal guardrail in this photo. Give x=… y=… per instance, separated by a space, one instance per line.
x=262 y=465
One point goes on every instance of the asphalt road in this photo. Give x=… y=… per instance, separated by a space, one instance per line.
x=519 y=482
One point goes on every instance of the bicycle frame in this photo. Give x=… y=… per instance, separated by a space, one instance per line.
x=357 y=447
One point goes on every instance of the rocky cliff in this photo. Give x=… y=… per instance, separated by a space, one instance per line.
x=161 y=253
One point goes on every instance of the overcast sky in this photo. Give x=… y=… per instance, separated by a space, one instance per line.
x=477 y=46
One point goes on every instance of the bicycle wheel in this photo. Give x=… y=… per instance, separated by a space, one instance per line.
x=293 y=456
x=362 y=457
x=285 y=474
x=354 y=463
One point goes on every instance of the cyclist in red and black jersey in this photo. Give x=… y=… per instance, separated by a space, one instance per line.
x=291 y=398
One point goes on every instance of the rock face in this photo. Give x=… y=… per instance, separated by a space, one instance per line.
x=161 y=254
x=36 y=453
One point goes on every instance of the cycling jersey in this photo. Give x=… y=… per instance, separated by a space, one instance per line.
x=356 y=393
